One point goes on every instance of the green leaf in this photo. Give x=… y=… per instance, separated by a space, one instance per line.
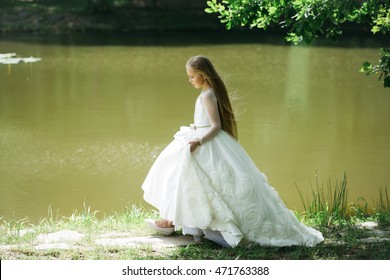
x=375 y=29
x=386 y=82
x=366 y=66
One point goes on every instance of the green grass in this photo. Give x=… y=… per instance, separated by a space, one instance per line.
x=60 y=5
x=50 y=16
x=129 y=220
x=329 y=204
x=328 y=210
x=382 y=208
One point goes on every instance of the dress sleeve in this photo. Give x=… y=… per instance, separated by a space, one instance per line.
x=209 y=101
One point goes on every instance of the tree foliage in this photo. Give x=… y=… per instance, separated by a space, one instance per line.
x=383 y=68
x=306 y=20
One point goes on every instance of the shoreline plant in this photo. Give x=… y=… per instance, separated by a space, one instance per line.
x=327 y=208
x=329 y=205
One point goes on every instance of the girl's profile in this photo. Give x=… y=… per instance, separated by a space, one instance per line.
x=205 y=183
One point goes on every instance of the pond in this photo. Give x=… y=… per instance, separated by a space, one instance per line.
x=82 y=126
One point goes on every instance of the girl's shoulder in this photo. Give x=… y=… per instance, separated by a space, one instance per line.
x=209 y=94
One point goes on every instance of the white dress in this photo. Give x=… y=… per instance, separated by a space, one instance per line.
x=218 y=187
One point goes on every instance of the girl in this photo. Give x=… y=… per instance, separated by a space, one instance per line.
x=205 y=183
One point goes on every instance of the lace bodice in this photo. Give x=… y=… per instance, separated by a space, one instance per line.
x=207 y=115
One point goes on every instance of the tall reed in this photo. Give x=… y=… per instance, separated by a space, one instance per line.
x=382 y=207
x=328 y=204
x=383 y=204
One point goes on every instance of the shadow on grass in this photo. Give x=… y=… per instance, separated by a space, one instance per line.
x=359 y=251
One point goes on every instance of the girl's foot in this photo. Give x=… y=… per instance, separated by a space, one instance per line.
x=164 y=227
x=164 y=224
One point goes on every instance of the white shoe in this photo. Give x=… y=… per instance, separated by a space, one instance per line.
x=197 y=238
x=165 y=231
x=216 y=236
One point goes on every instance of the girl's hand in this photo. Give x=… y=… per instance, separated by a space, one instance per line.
x=193 y=145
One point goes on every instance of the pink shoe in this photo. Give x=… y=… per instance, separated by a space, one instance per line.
x=165 y=231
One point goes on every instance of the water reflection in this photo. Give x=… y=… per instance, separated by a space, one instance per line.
x=12 y=58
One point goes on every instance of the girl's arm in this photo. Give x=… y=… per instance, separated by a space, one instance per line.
x=209 y=101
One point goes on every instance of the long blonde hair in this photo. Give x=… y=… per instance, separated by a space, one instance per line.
x=204 y=66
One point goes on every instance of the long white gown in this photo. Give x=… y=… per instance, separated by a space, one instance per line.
x=218 y=187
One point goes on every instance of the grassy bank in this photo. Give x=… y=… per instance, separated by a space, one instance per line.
x=342 y=241
x=342 y=224
x=76 y=16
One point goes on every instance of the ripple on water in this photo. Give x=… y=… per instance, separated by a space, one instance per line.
x=25 y=155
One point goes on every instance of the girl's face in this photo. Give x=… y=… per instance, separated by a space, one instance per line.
x=195 y=78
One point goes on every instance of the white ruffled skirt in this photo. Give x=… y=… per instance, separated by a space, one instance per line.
x=218 y=187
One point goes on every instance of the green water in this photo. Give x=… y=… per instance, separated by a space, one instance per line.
x=86 y=123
